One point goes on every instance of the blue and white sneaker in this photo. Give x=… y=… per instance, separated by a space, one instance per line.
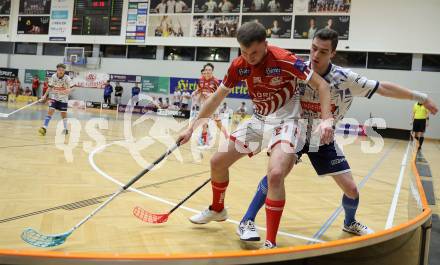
x=357 y=228
x=247 y=231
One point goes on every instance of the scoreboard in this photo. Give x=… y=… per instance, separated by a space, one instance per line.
x=97 y=17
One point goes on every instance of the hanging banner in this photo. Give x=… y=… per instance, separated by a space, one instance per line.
x=125 y=78
x=190 y=84
x=136 y=21
x=59 y=18
x=8 y=73
x=155 y=84
x=90 y=79
x=30 y=73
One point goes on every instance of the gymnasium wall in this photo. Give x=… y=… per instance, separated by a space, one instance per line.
x=375 y=25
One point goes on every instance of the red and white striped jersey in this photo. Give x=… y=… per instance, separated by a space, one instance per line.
x=272 y=83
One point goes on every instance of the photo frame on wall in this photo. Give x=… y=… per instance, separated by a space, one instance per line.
x=306 y=26
x=277 y=26
x=169 y=26
x=33 y=25
x=4 y=25
x=267 y=6
x=170 y=6
x=329 y=6
x=215 y=26
x=34 y=7
x=217 y=6
x=5 y=7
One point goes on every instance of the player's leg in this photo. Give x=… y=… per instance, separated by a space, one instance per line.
x=50 y=112
x=64 y=117
x=246 y=230
x=220 y=163
x=350 y=203
x=330 y=160
x=280 y=164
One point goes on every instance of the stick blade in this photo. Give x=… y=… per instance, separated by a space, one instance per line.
x=4 y=115
x=36 y=239
x=147 y=217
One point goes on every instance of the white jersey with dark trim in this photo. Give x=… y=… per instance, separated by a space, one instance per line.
x=344 y=85
x=59 y=88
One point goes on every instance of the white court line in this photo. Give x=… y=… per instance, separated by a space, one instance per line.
x=393 y=206
x=105 y=175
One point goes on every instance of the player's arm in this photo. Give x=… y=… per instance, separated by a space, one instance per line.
x=318 y=83
x=211 y=104
x=392 y=90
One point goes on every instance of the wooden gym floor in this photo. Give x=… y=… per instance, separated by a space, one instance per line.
x=42 y=189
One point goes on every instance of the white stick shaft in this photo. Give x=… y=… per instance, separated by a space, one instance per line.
x=97 y=210
x=22 y=108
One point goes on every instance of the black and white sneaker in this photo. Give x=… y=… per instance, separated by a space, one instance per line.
x=247 y=231
x=357 y=228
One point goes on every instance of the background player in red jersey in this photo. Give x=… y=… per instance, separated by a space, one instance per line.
x=207 y=85
x=271 y=74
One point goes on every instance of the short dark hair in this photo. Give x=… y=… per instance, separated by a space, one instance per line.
x=208 y=64
x=61 y=65
x=328 y=34
x=251 y=32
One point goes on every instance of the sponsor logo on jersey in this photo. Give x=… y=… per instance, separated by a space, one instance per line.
x=273 y=71
x=244 y=71
x=275 y=81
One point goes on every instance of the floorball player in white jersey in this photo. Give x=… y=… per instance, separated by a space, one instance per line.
x=58 y=96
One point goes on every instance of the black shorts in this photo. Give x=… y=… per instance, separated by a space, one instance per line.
x=327 y=160
x=184 y=106
x=58 y=105
x=419 y=125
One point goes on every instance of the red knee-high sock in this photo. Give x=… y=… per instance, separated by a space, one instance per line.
x=218 y=195
x=274 y=210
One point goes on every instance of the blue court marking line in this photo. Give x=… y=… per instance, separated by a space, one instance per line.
x=338 y=210
x=112 y=179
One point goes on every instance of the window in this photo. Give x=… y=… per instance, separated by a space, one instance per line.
x=54 y=49
x=179 y=53
x=25 y=48
x=302 y=52
x=114 y=51
x=351 y=59
x=6 y=47
x=390 y=61
x=88 y=48
x=431 y=62
x=213 y=54
x=142 y=52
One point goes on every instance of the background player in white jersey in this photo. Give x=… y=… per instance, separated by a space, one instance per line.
x=328 y=159
x=177 y=98
x=58 y=93
x=240 y=113
x=270 y=73
x=186 y=97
